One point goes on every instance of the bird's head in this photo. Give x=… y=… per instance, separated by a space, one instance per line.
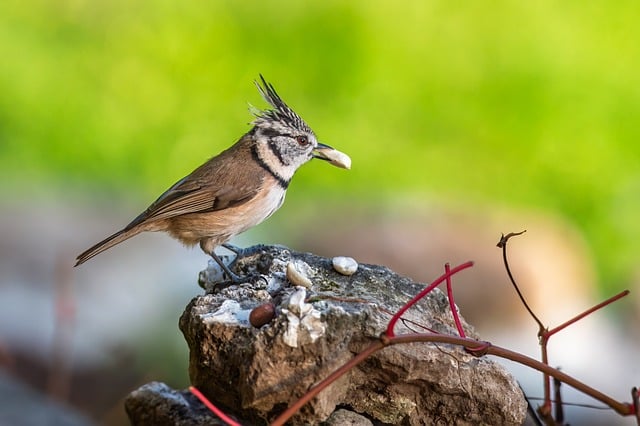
x=284 y=140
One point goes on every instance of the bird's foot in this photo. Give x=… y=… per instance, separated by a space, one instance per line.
x=231 y=277
x=243 y=252
x=225 y=277
x=236 y=280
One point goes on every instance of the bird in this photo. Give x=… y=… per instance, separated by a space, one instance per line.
x=236 y=189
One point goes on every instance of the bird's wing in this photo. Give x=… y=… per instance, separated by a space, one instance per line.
x=191 y=195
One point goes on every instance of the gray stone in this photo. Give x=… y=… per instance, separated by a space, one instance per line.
x=258 y=372
x=156 y=404
x=342 y=417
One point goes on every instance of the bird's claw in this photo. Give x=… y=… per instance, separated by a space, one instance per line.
x=237 y=280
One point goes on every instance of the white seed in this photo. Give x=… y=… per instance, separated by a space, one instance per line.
x=296 y=275
x=339 y=159
x=345 y=265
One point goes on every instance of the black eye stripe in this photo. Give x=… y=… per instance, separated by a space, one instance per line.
x=284 y=183
x=274 y=149
x=270 y=133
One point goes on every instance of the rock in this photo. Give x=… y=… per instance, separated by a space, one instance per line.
x=342 y=417
x=257 y=372
x=156 y=404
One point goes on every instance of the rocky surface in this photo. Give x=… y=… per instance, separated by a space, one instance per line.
x=256 y=372
x=157 y=404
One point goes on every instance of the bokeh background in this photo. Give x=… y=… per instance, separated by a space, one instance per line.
x=463 y=120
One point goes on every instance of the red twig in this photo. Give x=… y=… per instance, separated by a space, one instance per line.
x=452 y=304
x=427 y=290
x=578 y=317
x=228 y=420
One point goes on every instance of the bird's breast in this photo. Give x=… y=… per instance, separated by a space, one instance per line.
x=256 y=210
x=267 y=201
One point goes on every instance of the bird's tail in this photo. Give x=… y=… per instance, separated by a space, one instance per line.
x=107 y=243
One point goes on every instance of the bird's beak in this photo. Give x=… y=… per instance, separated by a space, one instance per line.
x=333 y=156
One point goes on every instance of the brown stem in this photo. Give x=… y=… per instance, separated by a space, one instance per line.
x=620 y=407
x=557 y=392
x=587 y=312
x=503 y=245
x=636 y=403
x=545 y=409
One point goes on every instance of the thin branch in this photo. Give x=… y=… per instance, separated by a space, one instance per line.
x=452 y=305
x=587 y=312
x=620 y=407
x=424 y=292
x=636 y=404
x=503 y=245
x=386 y=340
x=573 y=404
x=559 y=412
x=545 y=409
x=228 y=420
x=410 y=323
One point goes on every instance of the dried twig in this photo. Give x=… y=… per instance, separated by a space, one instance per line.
x=228 y=420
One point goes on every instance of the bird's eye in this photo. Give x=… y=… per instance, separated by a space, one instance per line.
x=302 y=140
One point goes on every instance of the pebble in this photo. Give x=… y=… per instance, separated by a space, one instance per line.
x=345 y=265
x=296 y=276
x=263 y=314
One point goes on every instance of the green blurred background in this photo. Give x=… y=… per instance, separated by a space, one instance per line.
x=531 y=106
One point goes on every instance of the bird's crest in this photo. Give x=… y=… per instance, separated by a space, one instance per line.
x=280 y=112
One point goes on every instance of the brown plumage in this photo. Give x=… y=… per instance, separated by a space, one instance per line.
x=235 y=190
